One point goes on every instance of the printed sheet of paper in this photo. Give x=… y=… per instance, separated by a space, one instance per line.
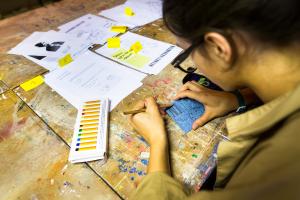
x=46 y=48
x=145 y=12
x=92 y=76
x=151 y=59
x=90 y=27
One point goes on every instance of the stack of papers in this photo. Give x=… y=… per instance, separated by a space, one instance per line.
x=152 y=58
x=145 y=11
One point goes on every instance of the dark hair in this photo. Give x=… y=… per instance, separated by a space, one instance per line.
x=273 y=21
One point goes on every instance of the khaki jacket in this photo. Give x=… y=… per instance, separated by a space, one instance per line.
x=262 y=160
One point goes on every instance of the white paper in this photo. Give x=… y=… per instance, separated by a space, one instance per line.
x=92 y=28
x=92 y=76
x=160 y=53
x=145 y=11
x=46 y=48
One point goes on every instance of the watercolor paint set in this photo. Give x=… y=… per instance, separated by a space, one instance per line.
x=90 y=132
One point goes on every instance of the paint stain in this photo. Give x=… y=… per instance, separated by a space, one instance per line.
x=132 y=170
x=67 y=184
x=132 y=178
x=122 y=165
x=22 y=121
x=140 y=173
x=6 y=132
x=195 y=155
x=144 y=161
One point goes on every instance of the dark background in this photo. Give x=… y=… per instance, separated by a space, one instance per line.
x=13 y=7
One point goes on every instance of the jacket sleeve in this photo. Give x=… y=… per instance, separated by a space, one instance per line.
x=159 y=186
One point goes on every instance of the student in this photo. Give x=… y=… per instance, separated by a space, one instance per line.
x=237 y=44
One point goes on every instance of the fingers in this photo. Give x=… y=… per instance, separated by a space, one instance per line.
x=192 y=90
x=151 y=105
x=201 y=121
x=192 y=85
x=137 y=106
x=201 y=97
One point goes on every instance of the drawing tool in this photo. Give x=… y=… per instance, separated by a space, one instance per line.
x=90 y=117
x=89 y=113
x=162 y=106
x=90 y=132
x=87 y=139
x=87 y=134
x=89 y=126
x=91 y=110
x=85 y=148
x=93 y=143
x=91 y=102
x=89 y=121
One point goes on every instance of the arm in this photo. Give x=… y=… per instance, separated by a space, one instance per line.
x=151 y=126
x=158 y=184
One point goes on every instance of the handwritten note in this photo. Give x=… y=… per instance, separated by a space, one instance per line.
x=128 y=56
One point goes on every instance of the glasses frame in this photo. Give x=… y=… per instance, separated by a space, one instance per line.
x=183 y=56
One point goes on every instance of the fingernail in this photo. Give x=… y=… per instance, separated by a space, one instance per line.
x=194 y=127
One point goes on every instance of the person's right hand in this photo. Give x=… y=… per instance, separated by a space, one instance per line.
x=150 y=123
x=216 y=103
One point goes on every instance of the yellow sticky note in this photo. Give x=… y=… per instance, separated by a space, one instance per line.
x=136 y=47
x=129 y=12
x=114 y=42
x=65 y=60
x=119 y=29
x=33 y=83
x=138 y=61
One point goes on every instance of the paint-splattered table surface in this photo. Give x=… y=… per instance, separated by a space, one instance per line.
x=36 y=127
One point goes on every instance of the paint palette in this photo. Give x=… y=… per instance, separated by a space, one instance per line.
x=90 y=132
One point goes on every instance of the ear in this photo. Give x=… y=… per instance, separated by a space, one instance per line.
x=219 y=47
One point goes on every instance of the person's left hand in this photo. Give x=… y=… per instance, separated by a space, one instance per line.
x=216 y=103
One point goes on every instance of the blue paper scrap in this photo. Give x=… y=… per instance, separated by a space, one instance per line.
x=184 y=112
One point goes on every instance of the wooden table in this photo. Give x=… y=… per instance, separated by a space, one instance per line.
x=36 y=127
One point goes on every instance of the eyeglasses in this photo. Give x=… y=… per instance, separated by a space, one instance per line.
x=183 y=56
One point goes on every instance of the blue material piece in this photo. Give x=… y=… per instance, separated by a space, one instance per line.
x=184 y=112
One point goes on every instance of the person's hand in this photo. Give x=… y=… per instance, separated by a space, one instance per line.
x=150 y=123
x=216 y=103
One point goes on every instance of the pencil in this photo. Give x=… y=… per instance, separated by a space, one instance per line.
x=162 y=106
